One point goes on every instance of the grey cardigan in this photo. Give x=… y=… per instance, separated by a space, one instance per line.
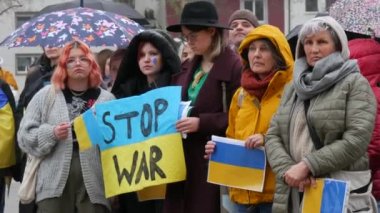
x=343 y=118
x=36 y=137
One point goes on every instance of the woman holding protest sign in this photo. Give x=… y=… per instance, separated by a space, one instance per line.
x=67 y=180
x=268 y=68
x=208 y=81
x=149 y=63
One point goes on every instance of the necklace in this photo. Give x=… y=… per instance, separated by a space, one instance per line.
x=77 y=93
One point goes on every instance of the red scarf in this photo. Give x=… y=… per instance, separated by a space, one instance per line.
x=253 y=84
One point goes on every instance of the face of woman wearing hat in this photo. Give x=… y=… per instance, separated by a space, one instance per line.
x=318 y=46
x=261 y=60
x=150 y=61
x=199 y=41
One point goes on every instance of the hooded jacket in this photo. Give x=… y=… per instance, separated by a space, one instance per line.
x=130 y=80
x=367 y=53
x=38 y=76
x=248 y=115
x=342 y=116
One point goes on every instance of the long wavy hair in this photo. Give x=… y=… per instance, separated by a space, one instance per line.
x=60 y=76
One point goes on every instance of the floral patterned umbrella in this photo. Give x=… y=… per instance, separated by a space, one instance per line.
x=94 y=27
x=359 y=16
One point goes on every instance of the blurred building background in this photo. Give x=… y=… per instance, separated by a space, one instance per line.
x=284 y=14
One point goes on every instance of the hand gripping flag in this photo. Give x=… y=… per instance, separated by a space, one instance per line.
x=233 y=165
x=329 y=196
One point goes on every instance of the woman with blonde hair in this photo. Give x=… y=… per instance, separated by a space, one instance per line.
x=208 y=81
x=67 y=180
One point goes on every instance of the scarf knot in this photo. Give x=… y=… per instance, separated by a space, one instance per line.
x=311 y=81
x=253 y=84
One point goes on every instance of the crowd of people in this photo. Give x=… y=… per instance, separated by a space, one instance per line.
x=316 y=115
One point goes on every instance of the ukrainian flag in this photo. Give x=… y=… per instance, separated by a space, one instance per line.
x=329 y=196
x=87 y=130
x=7 y=133
x=233 y=165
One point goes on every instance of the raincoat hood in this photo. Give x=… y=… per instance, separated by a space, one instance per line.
x=129 y=67
x=331 y=22
x=277 y=38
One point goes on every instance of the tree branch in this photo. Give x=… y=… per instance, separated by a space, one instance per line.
x=18 y=4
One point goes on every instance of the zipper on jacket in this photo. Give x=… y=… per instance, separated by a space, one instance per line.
x=291 y=114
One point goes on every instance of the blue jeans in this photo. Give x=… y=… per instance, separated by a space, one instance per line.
x=233 y=207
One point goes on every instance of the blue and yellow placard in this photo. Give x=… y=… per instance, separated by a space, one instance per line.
x=233 y=165
x=328 y=196
x=139 y=144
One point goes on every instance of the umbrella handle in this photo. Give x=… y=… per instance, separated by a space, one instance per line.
x=81 y=3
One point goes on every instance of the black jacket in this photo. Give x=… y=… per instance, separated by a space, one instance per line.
x=38 y=75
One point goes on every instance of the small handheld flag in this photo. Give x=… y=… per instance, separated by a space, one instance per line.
x=233 y=165
x=329 y=196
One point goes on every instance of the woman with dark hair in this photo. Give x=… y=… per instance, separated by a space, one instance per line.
x=149 y=63
x=38 y=76
x=268 y=68
x=67 y=180
x=208 y=80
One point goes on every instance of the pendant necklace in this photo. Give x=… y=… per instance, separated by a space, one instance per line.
x=77 y=93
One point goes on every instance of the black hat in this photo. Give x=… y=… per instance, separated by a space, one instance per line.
x=200 y=13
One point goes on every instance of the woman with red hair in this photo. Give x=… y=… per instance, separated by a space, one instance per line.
x=67 y=180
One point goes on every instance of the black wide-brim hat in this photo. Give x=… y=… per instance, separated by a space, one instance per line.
x=200 y=13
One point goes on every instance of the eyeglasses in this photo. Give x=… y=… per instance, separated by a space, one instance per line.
x=190 y=37
x=83 y=61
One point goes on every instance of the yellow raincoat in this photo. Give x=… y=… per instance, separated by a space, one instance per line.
x=248 y=115
x=7 y=76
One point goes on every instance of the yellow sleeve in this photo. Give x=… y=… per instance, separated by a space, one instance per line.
x=234 y=108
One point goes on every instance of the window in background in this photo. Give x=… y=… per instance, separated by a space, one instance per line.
x=22 y=17
x=258 y=7
x=23 y=61
x=311 y=5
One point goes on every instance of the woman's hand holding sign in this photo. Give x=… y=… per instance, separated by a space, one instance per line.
x=188 y=125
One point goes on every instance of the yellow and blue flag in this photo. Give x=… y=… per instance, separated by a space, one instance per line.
x=87 y=130
x=233 y=165
x=7 y=133
x=329 y=196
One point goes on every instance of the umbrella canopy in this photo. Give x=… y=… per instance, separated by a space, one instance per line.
x=292 y=36
x=94 y=27
x=109 y=6
x=358 y=16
